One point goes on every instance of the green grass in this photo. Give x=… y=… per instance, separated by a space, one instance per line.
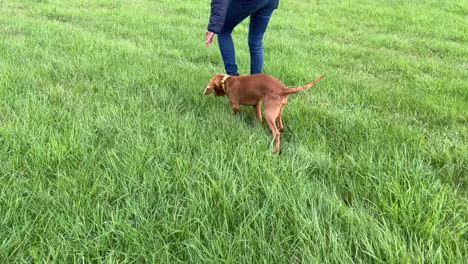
x=110 y=153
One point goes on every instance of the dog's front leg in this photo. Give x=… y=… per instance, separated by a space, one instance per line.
x=235 y=107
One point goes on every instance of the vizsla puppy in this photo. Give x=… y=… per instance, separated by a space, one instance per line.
x=254 y=89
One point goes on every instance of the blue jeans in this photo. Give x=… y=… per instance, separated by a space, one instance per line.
x=260 y=13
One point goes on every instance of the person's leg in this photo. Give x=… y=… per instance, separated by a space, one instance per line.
x=234 y=16
x=228 y=52
x=258 y=25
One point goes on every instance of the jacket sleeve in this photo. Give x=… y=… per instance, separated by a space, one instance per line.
x=218 y=15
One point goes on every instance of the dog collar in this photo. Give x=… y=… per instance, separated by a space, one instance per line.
x=223 y=83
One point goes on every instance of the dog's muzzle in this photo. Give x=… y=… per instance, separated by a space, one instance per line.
x=207 y=90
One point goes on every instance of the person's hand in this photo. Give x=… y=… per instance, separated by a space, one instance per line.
x=209 y=38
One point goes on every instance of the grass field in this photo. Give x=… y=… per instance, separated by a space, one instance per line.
x=110 y=153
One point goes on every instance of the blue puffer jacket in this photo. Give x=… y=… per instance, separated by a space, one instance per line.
x=218 y=13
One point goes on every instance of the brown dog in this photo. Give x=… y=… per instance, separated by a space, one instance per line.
x=254 y=89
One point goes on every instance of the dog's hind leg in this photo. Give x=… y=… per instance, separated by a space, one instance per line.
x=279 y=120
x=271 y=114
x=258 y=111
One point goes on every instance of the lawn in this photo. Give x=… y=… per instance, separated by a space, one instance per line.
x=109 y=152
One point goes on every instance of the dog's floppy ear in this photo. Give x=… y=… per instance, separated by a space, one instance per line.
x=216 y=81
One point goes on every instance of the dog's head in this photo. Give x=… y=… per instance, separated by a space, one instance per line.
x=215 y=87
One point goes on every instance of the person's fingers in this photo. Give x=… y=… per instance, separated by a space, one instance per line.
x=208 y=42
x=209 y=38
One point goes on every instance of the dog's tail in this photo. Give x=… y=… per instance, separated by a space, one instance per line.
x=305 y=87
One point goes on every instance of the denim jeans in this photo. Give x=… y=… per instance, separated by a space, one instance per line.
x=260 y=12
